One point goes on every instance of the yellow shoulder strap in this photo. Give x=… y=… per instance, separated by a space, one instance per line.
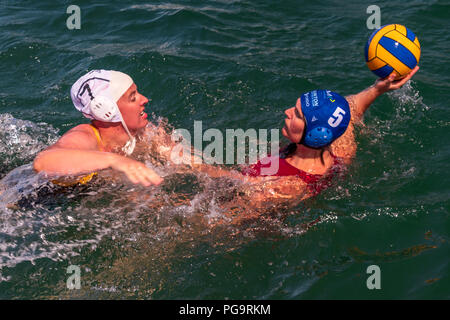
x=84 y=179
x=66 y=182
x=97 y=135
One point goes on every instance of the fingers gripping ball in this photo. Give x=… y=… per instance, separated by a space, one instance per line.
x=392 y=48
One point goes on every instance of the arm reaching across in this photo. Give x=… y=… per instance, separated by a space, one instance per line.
x=76 y=153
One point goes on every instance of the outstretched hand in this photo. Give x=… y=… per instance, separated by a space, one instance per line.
x=389 y=83
x=136 y=171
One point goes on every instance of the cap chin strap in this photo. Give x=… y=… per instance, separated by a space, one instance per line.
x=104 y=109
x=131 y=143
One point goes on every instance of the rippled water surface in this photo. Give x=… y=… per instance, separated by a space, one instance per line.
x=231 y=64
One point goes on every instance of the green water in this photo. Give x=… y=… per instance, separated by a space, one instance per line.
x=231 y=64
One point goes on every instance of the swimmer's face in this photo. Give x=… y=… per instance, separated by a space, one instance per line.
x=131 y=105
x=294 y=124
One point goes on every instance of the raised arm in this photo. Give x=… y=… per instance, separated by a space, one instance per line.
x=365 y=98
x=345 y=146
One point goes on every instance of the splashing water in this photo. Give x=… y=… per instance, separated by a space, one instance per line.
x=410 y=103
x=42 y=223
x=126 y=225
x=21 y=140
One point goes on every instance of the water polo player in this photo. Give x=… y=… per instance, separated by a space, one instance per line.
x=317 y=120
x=111 y=100
x=320 y=129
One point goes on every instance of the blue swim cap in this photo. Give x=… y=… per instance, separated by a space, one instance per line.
x=327 y=116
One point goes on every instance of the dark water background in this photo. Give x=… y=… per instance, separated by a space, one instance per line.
x=231 y=64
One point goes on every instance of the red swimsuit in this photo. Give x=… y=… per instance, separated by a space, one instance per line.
x=316 y=182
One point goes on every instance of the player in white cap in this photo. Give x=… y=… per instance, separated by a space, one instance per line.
x=111 y=100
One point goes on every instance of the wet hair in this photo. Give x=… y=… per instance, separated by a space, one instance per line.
x=290 y=149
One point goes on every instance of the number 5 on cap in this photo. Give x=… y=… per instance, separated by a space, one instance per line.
x=338 y=116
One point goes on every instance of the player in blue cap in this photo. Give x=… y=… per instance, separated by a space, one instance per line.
x=318 y=119
x=320 y=128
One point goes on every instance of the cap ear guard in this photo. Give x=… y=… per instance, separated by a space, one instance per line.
x=318 y=137
x=103 y=108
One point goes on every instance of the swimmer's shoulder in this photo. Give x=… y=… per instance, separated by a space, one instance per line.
x=80 y=137
x=344 y=147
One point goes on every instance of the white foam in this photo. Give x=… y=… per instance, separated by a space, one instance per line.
x=21 y=140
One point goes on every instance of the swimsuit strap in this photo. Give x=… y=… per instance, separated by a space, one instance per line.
x=337 y=160
x=84 y=179
x=99 y=139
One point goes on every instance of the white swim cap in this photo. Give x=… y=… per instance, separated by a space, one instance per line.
x=107 y=83
x=96 y=94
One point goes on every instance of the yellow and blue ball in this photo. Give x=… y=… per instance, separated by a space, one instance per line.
x=392 y=48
